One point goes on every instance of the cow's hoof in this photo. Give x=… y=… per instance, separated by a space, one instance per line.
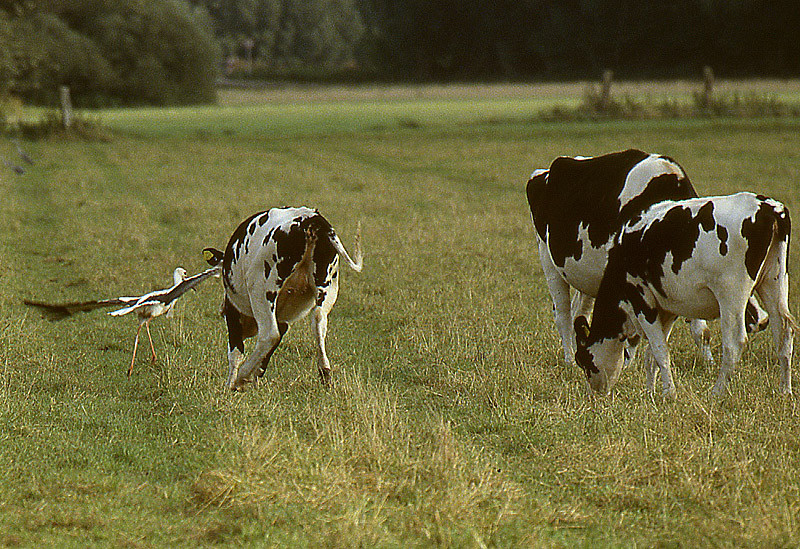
x=237 y=385
x=719 y=390
x=325 y=377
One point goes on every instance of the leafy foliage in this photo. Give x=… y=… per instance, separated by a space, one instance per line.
x=270 y=36
x=111 y=52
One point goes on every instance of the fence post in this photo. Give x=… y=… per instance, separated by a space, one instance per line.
x=605 y=89
x=66 y=107
x=708 y=85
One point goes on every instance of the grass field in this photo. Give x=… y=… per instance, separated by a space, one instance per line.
x=453 y=420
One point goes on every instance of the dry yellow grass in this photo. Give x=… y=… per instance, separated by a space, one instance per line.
x=453 y=422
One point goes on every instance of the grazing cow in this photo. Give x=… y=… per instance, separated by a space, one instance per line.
x=278 y=266
x=578 y=206
x=697 y=258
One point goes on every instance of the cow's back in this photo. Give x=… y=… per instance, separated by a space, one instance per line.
x=267 y=246
x=581 y=203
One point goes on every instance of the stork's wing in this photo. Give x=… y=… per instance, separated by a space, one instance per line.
x=187 y=284
x=59 y=311
x=139 y=304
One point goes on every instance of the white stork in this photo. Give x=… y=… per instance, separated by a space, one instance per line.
x=147 y=306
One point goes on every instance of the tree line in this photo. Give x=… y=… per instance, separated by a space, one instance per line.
x=513 y=39
x=170 y=51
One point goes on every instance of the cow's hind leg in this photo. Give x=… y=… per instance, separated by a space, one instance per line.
x=325 y=301
x=283 y=327
x=650 y=368
x=734 y=337
x=320 y=321
x=774 y=294
x=582 y=305
x=268 y=336
x=267 y=340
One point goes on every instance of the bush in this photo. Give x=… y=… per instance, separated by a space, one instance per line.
x=596 y=107
x=747 y=105
x=57 y=54
x=116 y=52
x=84 y=127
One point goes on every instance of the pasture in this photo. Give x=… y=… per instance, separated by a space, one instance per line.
x=453 y=420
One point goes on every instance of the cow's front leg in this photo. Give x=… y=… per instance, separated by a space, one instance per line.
x=234 y=320
x=559 y=292
x=701 y=335
x=657 y=334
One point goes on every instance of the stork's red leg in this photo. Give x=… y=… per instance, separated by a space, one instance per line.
x=135 y=345
x=152 y=349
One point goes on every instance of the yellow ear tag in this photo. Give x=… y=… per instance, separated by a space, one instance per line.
x=208 y=255
x=585 y=328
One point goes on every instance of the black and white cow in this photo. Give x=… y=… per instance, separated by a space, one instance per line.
x=578 y=206
x=278 y=266
x=697 y=258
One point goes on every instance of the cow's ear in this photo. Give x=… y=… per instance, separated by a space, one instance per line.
x=213 y=256
x=581 y=330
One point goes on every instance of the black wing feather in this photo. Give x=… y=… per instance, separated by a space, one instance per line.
x=60 y=311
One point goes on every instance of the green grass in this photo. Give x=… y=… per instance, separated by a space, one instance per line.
x=319 y=118
x=453 y=420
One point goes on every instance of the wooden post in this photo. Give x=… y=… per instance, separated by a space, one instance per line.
x=66 y=107
x=708 y=85
x=605 y=89
x=248 y=44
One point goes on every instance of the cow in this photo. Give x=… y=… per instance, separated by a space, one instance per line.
x=698 y=258
x=278 y=266
x=578 y=206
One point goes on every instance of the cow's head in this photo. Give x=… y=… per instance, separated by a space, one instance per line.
x=602 y=359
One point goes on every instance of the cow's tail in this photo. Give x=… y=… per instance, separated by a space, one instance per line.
x=778 y=258
x=357 y=262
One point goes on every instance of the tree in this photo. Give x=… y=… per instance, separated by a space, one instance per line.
x=308 y=35
x=114 y=51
